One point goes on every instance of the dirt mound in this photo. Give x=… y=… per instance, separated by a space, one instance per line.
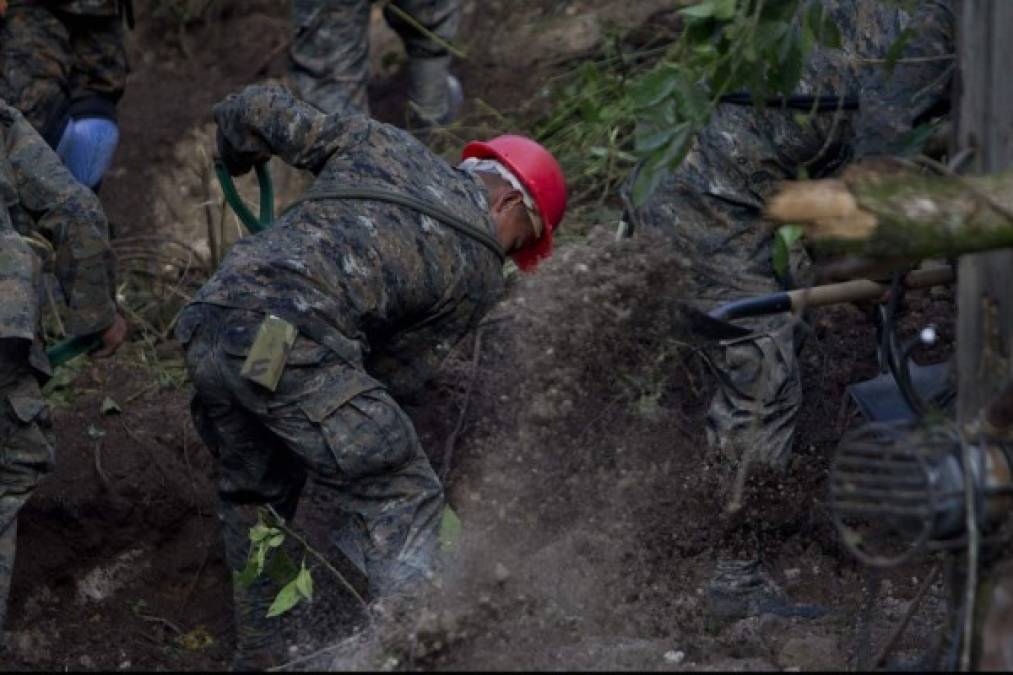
x=593 y=511
x=568 y=482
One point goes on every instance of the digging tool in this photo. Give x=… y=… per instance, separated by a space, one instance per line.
x=902 y=388
x=831 y=294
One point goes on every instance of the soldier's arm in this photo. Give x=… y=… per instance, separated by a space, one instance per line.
x=266 y=120
x=70 y=216
x=413 y=358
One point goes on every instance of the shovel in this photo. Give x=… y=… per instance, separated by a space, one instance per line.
x=899 y=392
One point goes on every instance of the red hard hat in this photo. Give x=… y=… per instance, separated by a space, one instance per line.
x=540 y=173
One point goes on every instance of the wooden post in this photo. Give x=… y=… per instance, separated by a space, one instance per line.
x=984 y=123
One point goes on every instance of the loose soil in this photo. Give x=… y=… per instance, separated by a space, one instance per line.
x=593 y=512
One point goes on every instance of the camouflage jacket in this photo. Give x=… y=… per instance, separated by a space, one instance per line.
x=50 y=213
x=711 y=202
x=380 y=285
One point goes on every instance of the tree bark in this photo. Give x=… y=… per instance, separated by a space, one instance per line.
x=901 y=215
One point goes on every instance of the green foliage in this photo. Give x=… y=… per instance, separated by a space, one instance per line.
x=300 y=588
x=759 y=46
x=267 y=557
x=450 y=529
x=588 y=129
x=784 y=238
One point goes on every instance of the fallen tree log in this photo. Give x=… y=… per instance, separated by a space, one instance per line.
x=909 y=215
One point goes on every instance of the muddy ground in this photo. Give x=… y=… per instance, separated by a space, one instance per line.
x=593 y=514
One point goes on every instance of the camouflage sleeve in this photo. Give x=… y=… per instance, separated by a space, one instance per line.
x=893 y=102
x=266 y=120
x=412 y=358
x=70 y=216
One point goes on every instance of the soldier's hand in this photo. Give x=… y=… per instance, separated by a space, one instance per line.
x=235 y=161
x=3 y=7
x=113 y=337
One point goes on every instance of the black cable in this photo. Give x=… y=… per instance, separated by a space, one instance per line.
x=808 y=103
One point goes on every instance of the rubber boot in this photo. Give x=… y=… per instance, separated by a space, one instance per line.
x=435 y=96
x=740 y=589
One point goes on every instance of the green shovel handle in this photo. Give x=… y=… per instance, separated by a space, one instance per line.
x=253 y=223
x=64 y=351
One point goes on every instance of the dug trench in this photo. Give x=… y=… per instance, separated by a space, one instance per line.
x=593 y=512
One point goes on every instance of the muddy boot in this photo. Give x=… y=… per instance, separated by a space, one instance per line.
x=436 y=95
x=740 y=589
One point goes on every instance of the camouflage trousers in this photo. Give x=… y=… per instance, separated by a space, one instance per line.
x=329 y=58
x=26 y=453
x=326 y=420
x=752 y=414
x=49 y=59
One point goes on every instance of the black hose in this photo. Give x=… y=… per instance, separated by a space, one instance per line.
x=820 y=104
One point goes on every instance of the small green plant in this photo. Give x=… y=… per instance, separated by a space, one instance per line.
x=267 y=556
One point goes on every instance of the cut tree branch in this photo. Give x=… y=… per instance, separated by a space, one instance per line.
x=880 y=215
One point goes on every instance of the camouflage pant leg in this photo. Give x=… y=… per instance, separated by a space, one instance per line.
x=329 y=57
x=37 y=58
x=49 y=59
x=100 y=57
x=752 y=415
x=26 y=454
x=326 y=418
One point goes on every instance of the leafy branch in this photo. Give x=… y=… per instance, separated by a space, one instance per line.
x=267 y=557
x=758 y=46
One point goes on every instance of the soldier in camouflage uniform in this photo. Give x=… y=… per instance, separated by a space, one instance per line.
x=61 y=62
x=49 y=219
x=712 y=204
x=329 y=58
x=373 y=295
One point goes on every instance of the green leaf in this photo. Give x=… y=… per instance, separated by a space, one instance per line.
x=287 y=598
x=896 y=50
x=450 y=529
x=661 y=162
x=259 y=532
x=646 y=143
x=109 y=407
x=784 y=238
x=281 y=568
x=304 y=582
x=245 y=577
x=655 y=86
x=260 y=555
x=724 y=10
x=701 y=10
